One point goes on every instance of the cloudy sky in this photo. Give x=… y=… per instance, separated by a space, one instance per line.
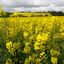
x=32 y=5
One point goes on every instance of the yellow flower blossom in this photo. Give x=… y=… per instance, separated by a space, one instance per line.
x=37 y=45
x=39 y=37
x=27 y=49
x=11 y=31
x=9 y=45
x=45 y=36
x=54 y=60
x=25 y=34
x=62 y=28
x=42 y=37
x=62 y=35
x=42 y=53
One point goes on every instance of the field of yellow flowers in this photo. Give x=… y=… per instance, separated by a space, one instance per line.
x=32 y=40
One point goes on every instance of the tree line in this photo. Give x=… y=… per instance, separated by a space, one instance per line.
x=8 y=14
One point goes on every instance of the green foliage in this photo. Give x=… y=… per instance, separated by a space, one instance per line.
x=3 y=13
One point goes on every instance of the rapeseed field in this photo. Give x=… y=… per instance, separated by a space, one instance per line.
x=32 y=40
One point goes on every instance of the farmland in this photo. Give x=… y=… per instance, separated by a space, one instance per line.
x=32 y=40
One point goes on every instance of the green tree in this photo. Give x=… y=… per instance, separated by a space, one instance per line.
x=3 y=13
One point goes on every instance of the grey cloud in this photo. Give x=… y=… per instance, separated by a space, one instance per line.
x=35 y=9
x=33 y=5
x=26 y=3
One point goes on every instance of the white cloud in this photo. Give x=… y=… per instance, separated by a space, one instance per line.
x=33 y=5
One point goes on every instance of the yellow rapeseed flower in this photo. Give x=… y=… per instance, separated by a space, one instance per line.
x=54 y=60
x=39 y=37
x=62 y=35
x=42 y=53
x=25 y=34
x=27 y=49
x=42 y=37
x=62 y=28
x=8 y=45
x=37 y=45
x=11 y=31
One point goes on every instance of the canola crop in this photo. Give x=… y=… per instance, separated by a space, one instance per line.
x=32 y=40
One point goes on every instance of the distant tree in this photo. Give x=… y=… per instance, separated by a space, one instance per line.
x=54 y=13
x=3 y=13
